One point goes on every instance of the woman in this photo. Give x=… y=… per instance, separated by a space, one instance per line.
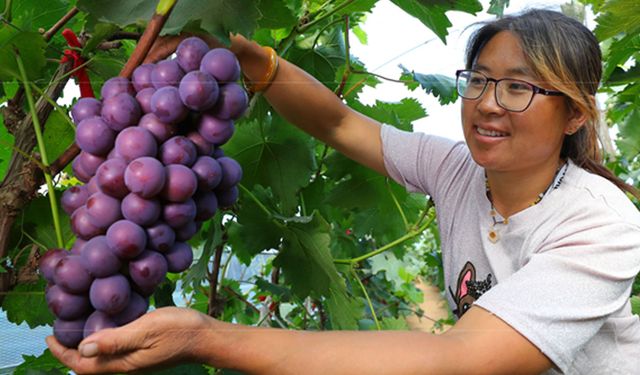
x=540 y=244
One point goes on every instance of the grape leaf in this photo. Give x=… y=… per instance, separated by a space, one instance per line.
x=432 y=14
x=618 y=52
x=497 y=7
x=29 y=45
x=254 y=231
x=307 y=264
x=26 y=303
x=6 y=141
x=356 y=6
x=36 y=220
x=618 y=16
x=442 y=87
x=635 y=305
x=400 y=114
x=34 y=14
x=45 y=364
x=275 y=155
x=276 y=14
x=58 y=134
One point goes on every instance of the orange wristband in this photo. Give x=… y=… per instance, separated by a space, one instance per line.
x=263 y=83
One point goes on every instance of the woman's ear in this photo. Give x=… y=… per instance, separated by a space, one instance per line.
x=576 y=118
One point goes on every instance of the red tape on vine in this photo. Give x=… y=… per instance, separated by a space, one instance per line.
x=72 y=55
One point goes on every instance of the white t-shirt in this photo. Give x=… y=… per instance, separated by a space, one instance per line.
x=561 y=272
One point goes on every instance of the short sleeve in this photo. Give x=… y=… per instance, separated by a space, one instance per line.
x=417 y=160
x=566 y=290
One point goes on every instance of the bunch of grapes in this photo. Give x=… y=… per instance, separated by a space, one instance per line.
x=153 y=171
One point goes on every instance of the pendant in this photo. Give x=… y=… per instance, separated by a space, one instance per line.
x=493 y=235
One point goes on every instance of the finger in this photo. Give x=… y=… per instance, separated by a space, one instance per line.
x=112 y=341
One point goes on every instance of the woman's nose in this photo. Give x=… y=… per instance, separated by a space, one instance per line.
x=487 y=102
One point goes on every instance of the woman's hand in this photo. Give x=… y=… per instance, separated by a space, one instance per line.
x=164 y=336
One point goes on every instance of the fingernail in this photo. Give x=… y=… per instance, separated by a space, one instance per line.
x=88 y=350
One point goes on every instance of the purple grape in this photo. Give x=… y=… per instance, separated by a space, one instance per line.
x=166 y=73
x=78 y=170
x=121 y=111
x=145 y=176
x=179 y=214
x=74 y=197
x=135 y=142
x=232 y=101
x=222 y=64
x=207 y=205
x=85 y=108
x=179 y=257
x=231 y=172
x=81 y=224
x=48 y=262
x=98 y=258
x=217 y=153
x=110 y=294
x=116 y=85
x=190 y=52
x=198 y=90
x=137 y=306
x=181 y=183
x=70 y=275
x=78 y=246
x=103 y=210
x=110 y=177
x=228 y=197
x=69 y=333
x=90 y=162
x=208 y=171
x=167 y=105
x=215 y=130
x=141 y=77
x=186 y=232
x=97 y=321
x=178 y=150
x=160 y=130
x=140 y=210
x=203 y=147
x=126 y=239
x=144 y=99
x=92 y=186
x=94 y=136
x=65 y=305
x=148 y=269
x=160 y=237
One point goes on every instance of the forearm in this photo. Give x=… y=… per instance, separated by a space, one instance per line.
x=277 y=351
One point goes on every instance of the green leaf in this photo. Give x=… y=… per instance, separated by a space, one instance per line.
x=37 y=222
x=26 y=303
x=322 y=63
x=254 y=231
x=30 y=45
x=432 y=13
x=101 y=32
x=629 y=137
x=635 y=305
x=497 y=7
x=357 y=6
x=274 y=155
x=6 y=150
x=212 y=234
x=620 y=76
x=618 y=52
x=58 y=134
x=307 y=264
x=401 y=114
x=618 y=16
x=276 y=15
x=45 y=364
x=442 y=87
x=34 y=14
x=394 y=324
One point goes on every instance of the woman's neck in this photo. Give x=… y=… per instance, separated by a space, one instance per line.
x=514 y=191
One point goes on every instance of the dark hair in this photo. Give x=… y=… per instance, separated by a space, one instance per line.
x=565 y=54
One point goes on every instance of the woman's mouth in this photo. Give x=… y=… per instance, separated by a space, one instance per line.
x=490 y=133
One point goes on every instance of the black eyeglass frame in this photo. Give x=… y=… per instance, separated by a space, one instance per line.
x=534 y=89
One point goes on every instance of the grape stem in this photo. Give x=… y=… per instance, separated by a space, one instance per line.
x=54 y=29
x=366 y=296
x=43 y=153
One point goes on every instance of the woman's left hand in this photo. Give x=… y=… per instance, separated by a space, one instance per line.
x=164 y=336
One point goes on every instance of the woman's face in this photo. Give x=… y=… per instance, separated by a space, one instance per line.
x=504 y=141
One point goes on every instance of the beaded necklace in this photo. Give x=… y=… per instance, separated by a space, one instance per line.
x=494 y=233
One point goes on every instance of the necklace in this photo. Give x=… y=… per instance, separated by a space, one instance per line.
x=494 y=232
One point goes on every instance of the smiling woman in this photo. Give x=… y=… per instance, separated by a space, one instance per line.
x=539 y=252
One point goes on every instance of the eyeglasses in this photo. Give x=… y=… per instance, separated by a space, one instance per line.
x=513 y=95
